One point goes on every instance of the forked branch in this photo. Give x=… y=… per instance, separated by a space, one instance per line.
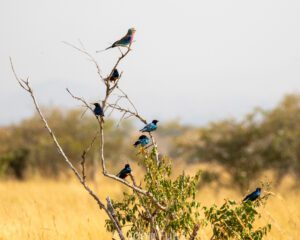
x=26 y=86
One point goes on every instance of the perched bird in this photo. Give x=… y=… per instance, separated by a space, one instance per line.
x=150 y=126
x=124 y=172
x=143 y=141
x=98 y=111
x=114 y=76
x=253 y=196
x=124 y=41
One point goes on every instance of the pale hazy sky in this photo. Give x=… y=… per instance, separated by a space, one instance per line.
x=195 y=60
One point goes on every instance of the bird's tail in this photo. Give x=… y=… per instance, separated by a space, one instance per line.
x=99 y=51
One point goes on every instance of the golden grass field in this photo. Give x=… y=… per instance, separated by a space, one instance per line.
x=47 y=209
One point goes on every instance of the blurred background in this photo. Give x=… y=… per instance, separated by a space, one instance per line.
x=221 y=76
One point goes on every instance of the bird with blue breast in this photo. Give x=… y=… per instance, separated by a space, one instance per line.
x=124 y=172
x=150 y=127
x=125 y=41
x=142 y=141
x=253 y=196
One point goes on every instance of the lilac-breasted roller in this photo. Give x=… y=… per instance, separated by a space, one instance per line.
x=124 y=41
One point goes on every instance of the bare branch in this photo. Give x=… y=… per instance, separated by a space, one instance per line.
x=84 y=154
x=27 y=87
x=114 y=217
x=121 y=109
x=195 y=231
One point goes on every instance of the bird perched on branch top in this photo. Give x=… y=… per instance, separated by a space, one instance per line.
x=124 y=172
x=143 y=141
x=114 y=76
x=150 y=127
x=124 y=41
x=98 y=111
x=253 y=196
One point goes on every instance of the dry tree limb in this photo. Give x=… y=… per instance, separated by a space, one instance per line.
x=195 y=231
x=26 y=86
x=121 y=109
x=84 y=154
x=104 y=171
x=114 y=216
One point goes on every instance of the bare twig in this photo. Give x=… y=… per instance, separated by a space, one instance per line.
x=121 y=109
x=90 y=57
x=84 y=154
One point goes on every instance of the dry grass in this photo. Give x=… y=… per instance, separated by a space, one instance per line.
x=44 y=209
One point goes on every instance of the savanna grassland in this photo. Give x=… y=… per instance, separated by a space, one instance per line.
x=235 y=157
x=48 y=209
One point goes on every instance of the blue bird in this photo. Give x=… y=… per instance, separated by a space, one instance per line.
x=98 y=111
x=114 y=76
x=124 y=41
x=150 y=127
x=143 y=141
x=253 y=196
x=124 y=172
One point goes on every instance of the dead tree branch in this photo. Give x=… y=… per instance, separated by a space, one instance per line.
x=26 y=86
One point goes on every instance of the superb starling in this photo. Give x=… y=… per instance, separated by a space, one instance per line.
x=114 y=76
x=98 y=110
x=150 y=127
x=253 y=196
x=124 y=172
x=143 y=141
x=124 y=41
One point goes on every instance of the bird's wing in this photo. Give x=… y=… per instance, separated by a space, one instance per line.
x=247 y=197
x=123 y=41
x=122 y=171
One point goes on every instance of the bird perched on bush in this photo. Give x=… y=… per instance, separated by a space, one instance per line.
x=253 y=196
x=143 y=141
x=114 y=76
x=124 y=41
x=150 y=127
x=98 y=111
x=124 y=172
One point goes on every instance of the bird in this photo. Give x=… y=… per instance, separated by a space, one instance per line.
x=114 y=75
x=124 y=172
x=150 y=126
x=143 y=141
x=98 y=111
x=253 y=196
x=124 y=41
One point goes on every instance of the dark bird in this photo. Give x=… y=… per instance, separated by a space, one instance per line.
x=124 y=172
x=98 y=111
x=143 y=141
x=253 y=196
x=124 y=41
x=150 y=127
x=114 y=76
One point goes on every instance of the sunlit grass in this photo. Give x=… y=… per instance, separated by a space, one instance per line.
x=48 y=209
